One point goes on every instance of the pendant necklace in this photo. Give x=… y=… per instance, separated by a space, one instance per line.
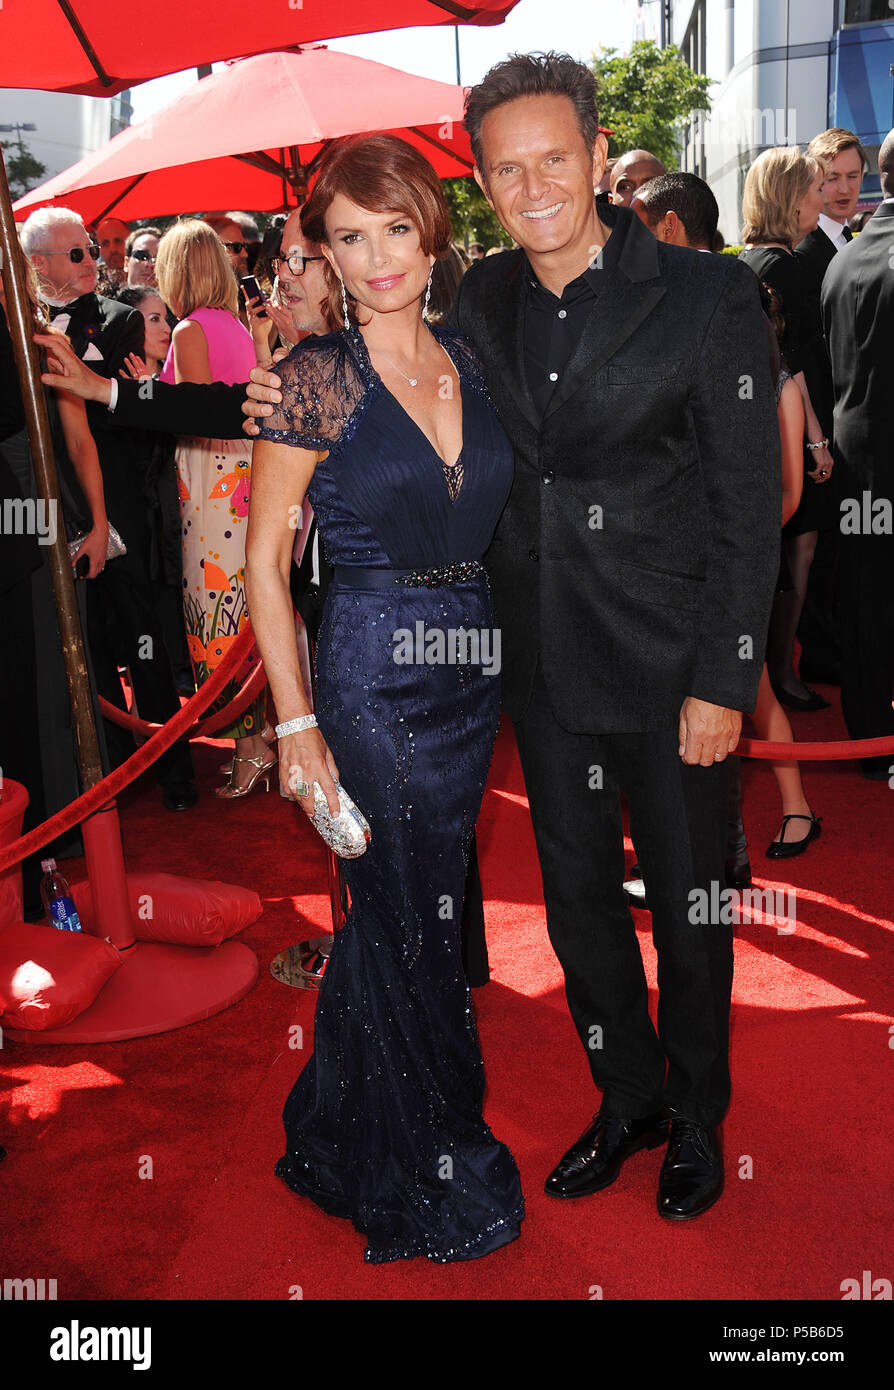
x=413 y=380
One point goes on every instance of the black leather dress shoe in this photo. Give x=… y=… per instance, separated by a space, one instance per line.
x=692 y=1173
x=180 y=796
x=595 y=1160
x=635 y=889
x=737 y=871
x=814 y=700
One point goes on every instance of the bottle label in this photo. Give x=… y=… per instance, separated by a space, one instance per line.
x=64 y=914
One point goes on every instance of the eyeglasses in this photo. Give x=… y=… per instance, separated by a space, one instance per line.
x=77 y=253
x=237 y=247
x=142 y=256
x=296 y=262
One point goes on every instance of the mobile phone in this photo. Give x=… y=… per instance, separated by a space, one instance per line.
x=252 y=290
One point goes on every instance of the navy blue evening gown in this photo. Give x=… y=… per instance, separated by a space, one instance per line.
x=384 y=1125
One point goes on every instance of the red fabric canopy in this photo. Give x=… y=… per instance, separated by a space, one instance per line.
x=235 y=137
x=91 y=47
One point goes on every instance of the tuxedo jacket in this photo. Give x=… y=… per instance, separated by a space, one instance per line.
x=638 y=551
x=815 y=254
x=103 y=333
x=858 y=318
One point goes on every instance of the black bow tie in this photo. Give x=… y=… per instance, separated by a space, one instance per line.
x=56 y=309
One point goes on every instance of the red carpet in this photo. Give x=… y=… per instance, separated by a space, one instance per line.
x=144 y=1169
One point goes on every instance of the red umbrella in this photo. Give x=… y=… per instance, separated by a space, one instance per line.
x=248 y=136
x=87 y=46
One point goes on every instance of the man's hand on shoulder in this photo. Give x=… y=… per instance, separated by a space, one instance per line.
x=263 y=393
x=708 y=733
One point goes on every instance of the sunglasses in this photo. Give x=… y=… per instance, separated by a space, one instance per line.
x=296 y=262
x=77 y=253
x=237 y=247
x=142 y=256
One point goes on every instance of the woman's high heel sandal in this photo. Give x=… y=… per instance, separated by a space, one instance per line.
x=787 y=849
x=267 y=734
x=230 y=791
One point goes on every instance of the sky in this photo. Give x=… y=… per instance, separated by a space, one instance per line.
x=578 y=27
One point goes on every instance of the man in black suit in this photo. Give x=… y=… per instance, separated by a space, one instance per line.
x=122 y=619
x=858 y=317
x=845 y=161
x=632 y=572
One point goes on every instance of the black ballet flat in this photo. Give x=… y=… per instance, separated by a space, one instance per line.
x=787 y=849
x=816 y=701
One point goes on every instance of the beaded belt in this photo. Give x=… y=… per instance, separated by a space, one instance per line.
x=363 y=577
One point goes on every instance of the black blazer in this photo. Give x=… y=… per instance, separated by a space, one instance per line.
x=666 y=421
x=209 y=410
x=815 y=254
x=858 y=318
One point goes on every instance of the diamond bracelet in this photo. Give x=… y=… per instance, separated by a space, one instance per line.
x=295 y=726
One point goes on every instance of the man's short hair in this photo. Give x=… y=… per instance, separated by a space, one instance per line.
x=829 y=144
x=138 y=232
x=533 y=75
x=689 y=197
x=34 y=233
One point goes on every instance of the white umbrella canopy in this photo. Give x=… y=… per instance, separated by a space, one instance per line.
x=248 y=135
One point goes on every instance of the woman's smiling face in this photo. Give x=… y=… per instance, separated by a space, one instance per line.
x=377 y=254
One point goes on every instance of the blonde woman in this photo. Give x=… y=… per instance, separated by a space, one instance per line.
x=210 y=344
x=781 y=205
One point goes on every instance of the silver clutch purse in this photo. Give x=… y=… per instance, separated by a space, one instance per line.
x=114 y=548
x=346 y=834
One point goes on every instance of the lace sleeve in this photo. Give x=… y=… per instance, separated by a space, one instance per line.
x=321 y=389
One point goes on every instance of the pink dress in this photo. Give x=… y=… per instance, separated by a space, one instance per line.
x=215 y=478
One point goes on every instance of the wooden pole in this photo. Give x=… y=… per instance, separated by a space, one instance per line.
x=21 y=328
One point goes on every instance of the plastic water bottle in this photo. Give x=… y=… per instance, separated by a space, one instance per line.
x=57 y=900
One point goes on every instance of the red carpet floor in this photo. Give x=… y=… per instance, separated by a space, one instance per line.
x=807 y=1203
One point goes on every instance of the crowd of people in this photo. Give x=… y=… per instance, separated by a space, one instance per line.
x=721 y=420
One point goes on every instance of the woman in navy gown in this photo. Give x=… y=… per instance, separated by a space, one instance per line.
x=387 y=426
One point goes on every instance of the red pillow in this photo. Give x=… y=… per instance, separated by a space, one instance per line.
x=49 y=976
x=184 y=911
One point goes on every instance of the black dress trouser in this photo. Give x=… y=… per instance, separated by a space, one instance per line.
x=867 y=637
x=125 y=629
x=678 y=822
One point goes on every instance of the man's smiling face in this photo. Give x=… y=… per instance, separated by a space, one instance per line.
x=538 y=174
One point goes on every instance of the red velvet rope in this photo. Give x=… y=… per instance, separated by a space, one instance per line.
x=179 y=726
x=202 y=728
x=89 y=802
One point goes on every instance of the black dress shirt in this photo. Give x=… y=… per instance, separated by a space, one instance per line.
x=553 y=325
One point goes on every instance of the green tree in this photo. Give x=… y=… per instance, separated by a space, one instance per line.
x=471 y=214
x=646 y=97
x=23 y=171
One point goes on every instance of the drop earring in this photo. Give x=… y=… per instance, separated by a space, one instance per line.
x=427 y=295
x=344 y=305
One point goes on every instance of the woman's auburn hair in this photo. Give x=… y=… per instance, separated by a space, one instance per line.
x=380 y=173
x=193 y=269
x=774 y=186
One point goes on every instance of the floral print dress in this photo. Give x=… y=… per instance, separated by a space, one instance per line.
x=214 y=478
